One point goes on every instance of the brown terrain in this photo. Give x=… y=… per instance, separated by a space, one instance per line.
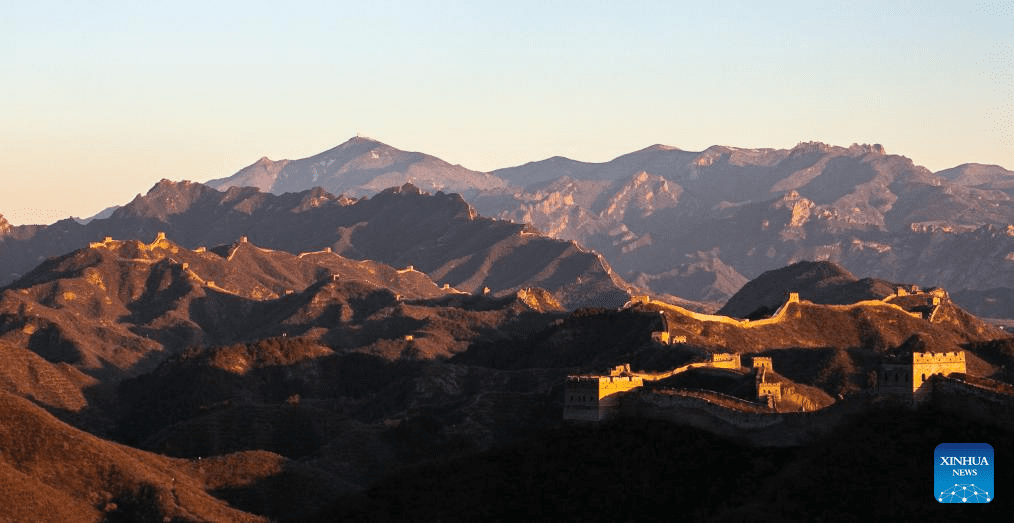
x=311 y=357
x=439 y=235
x=699 y=224
x=295 y=383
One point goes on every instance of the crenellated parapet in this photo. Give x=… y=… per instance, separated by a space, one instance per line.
x=909 y=375
x=762 y=362
x=939 y=358
x=768 y=390
x=596 y=398
x=725 y=360
x=106 y=242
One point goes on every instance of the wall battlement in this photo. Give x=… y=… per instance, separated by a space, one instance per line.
x=768 y=391
x=910 y=376
x=666 y=336
x=597 y=397
x=726 y=360
x=761 y=424
x=924 y=358
x=159 y=241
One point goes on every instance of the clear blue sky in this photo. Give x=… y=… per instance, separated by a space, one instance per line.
x=100 y=100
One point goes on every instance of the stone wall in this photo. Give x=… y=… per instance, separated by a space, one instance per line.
x=780 y=315
x=975 y=401
x=895 y=379
x=927 y=364
x=581 y=400
x=737 y=419
x=725 y=360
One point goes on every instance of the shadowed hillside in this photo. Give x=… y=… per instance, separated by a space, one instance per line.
x=122 y=304
x=50 y=470
x=439 y=235
x=298 y=385
x=879 y=462
x=819 y=282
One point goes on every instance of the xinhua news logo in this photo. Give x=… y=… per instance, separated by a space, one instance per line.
x=963 y=473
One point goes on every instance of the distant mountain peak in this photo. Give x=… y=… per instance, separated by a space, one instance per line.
x=717 y=149
x=358 y=167
x=979 y=175
x=362 y=139
x=164 y=198
x=663 y=147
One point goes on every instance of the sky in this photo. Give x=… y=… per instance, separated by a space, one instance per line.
x=101 y=100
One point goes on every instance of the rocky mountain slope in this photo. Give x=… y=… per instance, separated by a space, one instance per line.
x=51 y=471
x=981 y=176
x=359 y=167
x=439 y=235
x=700 y=224
x=819 y=282
x=355 y=418
x=300 y=355
x=5 y=226
x=278 y=384
x=123 y=306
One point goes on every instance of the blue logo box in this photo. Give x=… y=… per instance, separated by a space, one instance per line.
x=963 y=473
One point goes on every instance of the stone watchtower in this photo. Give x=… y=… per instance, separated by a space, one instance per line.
x=725 y=360
x=768 y=390
x=762 y=362
x=908 y=375
x=597 y=398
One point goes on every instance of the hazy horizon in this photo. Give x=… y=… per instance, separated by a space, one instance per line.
x=102 y=101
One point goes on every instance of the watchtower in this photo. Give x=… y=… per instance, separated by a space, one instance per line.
x=768 y=389
x=760 y=362
x=725 y=360
x=595 y=397
x=908 y=375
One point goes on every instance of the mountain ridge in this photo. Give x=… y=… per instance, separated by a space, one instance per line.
x=657 y=213
x=358 y=167
x=439 y=234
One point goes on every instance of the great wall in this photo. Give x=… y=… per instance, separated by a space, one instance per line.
x=936 y=379
x=935 y=298
x=161 y=242
x=911 y=379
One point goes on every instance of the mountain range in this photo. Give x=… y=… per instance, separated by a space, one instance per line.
x=440 y=235
x=345 y=349
x=698 y=225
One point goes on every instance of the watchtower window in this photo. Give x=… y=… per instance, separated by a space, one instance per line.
x=923 y=378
